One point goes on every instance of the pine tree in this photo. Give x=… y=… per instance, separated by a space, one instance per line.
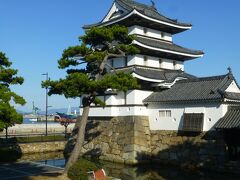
x=8 y=77
x=91 y=77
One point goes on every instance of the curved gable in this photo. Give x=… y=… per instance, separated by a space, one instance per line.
x=115 y=11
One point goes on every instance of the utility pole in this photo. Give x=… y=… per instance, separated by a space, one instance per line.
x=46 y=74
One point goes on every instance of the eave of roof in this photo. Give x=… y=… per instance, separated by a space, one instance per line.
x=154 y=74
x=230 y=120
x=232 y=96
x=166 y=47
x=145 y=12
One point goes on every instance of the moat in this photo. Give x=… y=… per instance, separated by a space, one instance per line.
x=141 y=172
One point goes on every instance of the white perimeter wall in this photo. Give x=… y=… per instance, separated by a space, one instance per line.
x=150 y=33
x=132 y=107
x=212 y=113
x=118 y=111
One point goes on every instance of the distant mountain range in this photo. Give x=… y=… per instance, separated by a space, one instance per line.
x=53 y=111
x=61 y=110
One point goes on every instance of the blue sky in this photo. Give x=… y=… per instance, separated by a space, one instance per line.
x=33 y=34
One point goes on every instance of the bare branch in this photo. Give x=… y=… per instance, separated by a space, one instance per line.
x=122 y=54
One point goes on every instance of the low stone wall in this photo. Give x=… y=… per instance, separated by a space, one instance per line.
x=19 y=129
x=30 y=148
x=42 y=156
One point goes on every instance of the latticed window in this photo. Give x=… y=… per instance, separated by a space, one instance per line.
x=165 y=113
x=193 y=122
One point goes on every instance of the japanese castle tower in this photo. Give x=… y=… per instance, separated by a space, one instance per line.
x=171 y=98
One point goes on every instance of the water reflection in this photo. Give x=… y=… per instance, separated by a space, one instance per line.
x=155 y=172
x=142 y=172
x=54 y=162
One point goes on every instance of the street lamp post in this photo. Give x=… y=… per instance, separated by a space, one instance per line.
x=46 y=74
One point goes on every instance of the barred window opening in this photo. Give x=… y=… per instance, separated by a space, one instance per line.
x=193 y=122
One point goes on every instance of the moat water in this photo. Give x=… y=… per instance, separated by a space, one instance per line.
x=143 y=172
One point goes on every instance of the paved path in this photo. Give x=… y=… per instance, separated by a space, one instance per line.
x=22 y=170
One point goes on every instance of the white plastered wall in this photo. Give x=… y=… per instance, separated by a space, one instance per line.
x=119 y=107
x=154 y=62
x=139 y=30
x=212 y=113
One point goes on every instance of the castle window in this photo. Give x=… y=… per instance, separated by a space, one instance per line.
x=125 y=61
x=125 y=97
x=145 y=60
x=165 y=113
x=162 y=34
x=145 y=30
x=111 y=63
x=193 y=122
x=174 y=64
x=160 y=63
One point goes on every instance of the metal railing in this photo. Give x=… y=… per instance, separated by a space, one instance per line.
x=33 y=138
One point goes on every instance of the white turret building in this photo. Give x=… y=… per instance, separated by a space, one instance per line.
x=171 y=98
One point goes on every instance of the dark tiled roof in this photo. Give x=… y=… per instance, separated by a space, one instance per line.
x=232 y=96
x=167 y=46
x=130 y=5
x=230 y=120
x=156 y=74
x=149 y=11
x=200 y=89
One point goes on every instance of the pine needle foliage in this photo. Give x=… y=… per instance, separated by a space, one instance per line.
x=90 y=57
x=8 y=77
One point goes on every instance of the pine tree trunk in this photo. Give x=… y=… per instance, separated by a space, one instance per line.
x=79 y=141
x=82 y=126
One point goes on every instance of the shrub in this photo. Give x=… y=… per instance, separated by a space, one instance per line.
x=10 y=154
x=80 y=169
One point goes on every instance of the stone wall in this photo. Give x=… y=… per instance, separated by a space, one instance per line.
x=188 y=149
x=122 y=139
x=129 y=140
x=29 y=148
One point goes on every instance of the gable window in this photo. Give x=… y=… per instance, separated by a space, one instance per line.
x=193 y=122
x=165 y=113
